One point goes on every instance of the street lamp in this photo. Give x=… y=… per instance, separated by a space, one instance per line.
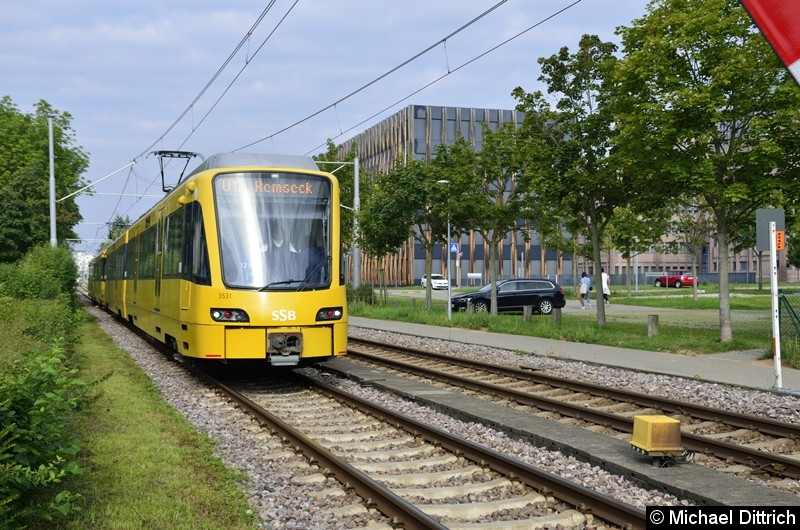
x=53 y=237
x=447 y=246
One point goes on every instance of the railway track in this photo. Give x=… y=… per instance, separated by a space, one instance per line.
x=416 y=475
x=757 y=446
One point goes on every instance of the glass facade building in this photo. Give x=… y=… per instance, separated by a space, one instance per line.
x=417 y=131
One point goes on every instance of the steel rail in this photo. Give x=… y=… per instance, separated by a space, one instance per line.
x=763 y=425
x=403 y=512
x=603 y=506
x=744 y=421
x=771 y=462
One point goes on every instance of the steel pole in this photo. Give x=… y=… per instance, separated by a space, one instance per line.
x=53 y=237
x=449 y=283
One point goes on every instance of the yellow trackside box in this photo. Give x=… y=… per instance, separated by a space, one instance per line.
x=656 y=434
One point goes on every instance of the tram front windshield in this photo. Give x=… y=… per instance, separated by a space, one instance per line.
x=274 y=230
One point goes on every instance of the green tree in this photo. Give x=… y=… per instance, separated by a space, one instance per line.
x=412 y=202
x=118 y=227
x=692 y=224
x=792 y=243
x=706 y=107
x=25 y=176
x=492 y=179
x=569 y=148
x=343 y=168
x=634 y=233
x=384 y=218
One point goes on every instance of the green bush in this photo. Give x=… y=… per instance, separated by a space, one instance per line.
x=44 y=273
x=363 y=293
x=15 y=344
x=38 y=400
x=49 y=320
x=7 y=271
x=40 y=392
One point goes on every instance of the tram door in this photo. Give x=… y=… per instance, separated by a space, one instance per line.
x=159 y=258
x=187 y=213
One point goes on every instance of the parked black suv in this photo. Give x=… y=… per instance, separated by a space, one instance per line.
x=541 y=294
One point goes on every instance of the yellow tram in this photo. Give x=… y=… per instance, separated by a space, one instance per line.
x=241 y=260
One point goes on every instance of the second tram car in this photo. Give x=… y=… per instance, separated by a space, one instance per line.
x=241 y=260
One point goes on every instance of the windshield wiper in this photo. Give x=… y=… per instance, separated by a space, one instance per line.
x=273 y=284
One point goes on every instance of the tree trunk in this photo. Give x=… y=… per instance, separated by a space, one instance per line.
x=382 y=283
x=428 y=267
x=493 y=272
x=629 y=276
x=575 y=266
x=725 y=331
x=597 y=257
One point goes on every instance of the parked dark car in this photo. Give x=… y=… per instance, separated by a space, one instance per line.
x=675 y=279
x=512 y=295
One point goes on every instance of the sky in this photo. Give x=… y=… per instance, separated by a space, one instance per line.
x=280 y=76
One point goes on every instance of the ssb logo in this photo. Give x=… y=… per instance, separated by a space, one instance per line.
x=283 y=315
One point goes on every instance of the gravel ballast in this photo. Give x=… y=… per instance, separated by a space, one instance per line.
x=282 y=504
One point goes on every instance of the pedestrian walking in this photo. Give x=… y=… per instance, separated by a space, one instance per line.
x=604 y=280
x=584 y=289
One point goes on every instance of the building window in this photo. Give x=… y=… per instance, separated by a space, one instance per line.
x=420 y=144
x=436 y=130
x=465 y=128
x=450 y=133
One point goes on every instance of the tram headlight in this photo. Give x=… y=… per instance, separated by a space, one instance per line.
x=330 y=313
x=229 y=315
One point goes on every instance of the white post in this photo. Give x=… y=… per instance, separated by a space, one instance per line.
x=447 y=249
x=53 y=237
x=458 y=267
x=776 y=323
x=356 y=248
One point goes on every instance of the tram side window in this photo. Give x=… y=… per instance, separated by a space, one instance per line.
x=195 y=246
x=173 y=246
x=115 y=264
x=130 y=258
x=147 y=254
x=102 y=275
x=118 y=268
x=123 y=261
x=111 y=265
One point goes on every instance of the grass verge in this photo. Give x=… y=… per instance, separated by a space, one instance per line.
x=146 y=465
x=674 y=338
